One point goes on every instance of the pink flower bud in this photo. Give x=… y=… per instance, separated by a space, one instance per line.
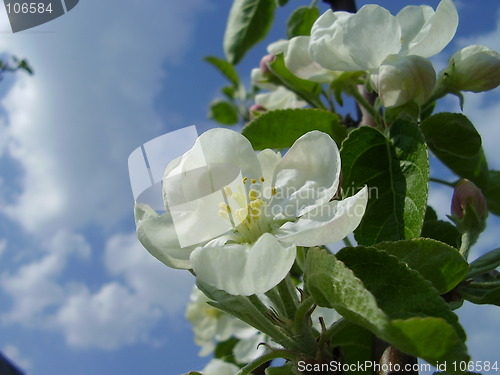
x=263 y=64
x=256 y=110
x=468 y=194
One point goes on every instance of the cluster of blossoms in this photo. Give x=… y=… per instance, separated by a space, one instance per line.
x=392 y=51
x=237 y=218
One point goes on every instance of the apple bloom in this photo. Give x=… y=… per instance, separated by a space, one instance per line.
x=362 y=41
x=474 y=68
x=236 y=217
x=391 y=48
x=219 y=367
x=402 y=79
x=212 y=326
x=279 y=98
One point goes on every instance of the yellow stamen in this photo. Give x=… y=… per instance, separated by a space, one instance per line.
x=253 y=195
x=228 y=191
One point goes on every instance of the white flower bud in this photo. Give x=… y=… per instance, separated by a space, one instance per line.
x=474 y=68
x=400 y=80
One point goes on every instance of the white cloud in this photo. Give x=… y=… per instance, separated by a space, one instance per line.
x=3 y=247
x=13 y=353
x=490 y=39
x=70 y=128
x=90 y=103
x=115 y=315
x=118 y=315
x=108 y=319
x=34 y=286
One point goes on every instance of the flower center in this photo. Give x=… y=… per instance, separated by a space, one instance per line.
x=247 y=212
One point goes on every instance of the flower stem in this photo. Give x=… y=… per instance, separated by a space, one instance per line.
x=361 y=100
x=262 y=321
x=289 y=297
x=468 y=240
x=347 y=242
x=443 y=182
x=278 y=353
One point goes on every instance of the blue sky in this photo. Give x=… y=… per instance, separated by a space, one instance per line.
x=78 y=293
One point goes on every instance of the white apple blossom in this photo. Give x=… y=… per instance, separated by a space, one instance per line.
x=474 y=68
x=211 y=325
x=390 y=48
x=279 y=98
x=299 y=62
x=218 y=367
x=271 y=206
x=362 y=41
x=402 y=79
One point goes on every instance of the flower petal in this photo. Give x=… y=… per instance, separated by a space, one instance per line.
x=307 y=176
x=208 y=166
x=412 y=19
x=250 y=349
x=268 y=159
x=326 y=45
x=438 y=30
x=371 y=35
x=281 y=98
x=219 y=367
x=157 y=234
x=244 y=269
x=401 y=79
x=326 y=224
x=261 y=81
x=300 y=63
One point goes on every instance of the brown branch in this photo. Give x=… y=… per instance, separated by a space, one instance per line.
x=346 y=5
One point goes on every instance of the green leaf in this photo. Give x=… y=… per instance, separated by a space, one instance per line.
x=439 y=230
x=281 y=128
x=307 y=90
x=481 y=293
x=224 y=350
x=455 y=141
x=437 y=262
x=400 y=292
x=485 y=263
x=223 y=112
x=396 y=171
x=226 y=68
x=383 y=295
x=282 y=2
x=229 y=92
x=355 y=343
x=492 y=192
x=248 y=23
x=334 y=285
x=301 y=21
